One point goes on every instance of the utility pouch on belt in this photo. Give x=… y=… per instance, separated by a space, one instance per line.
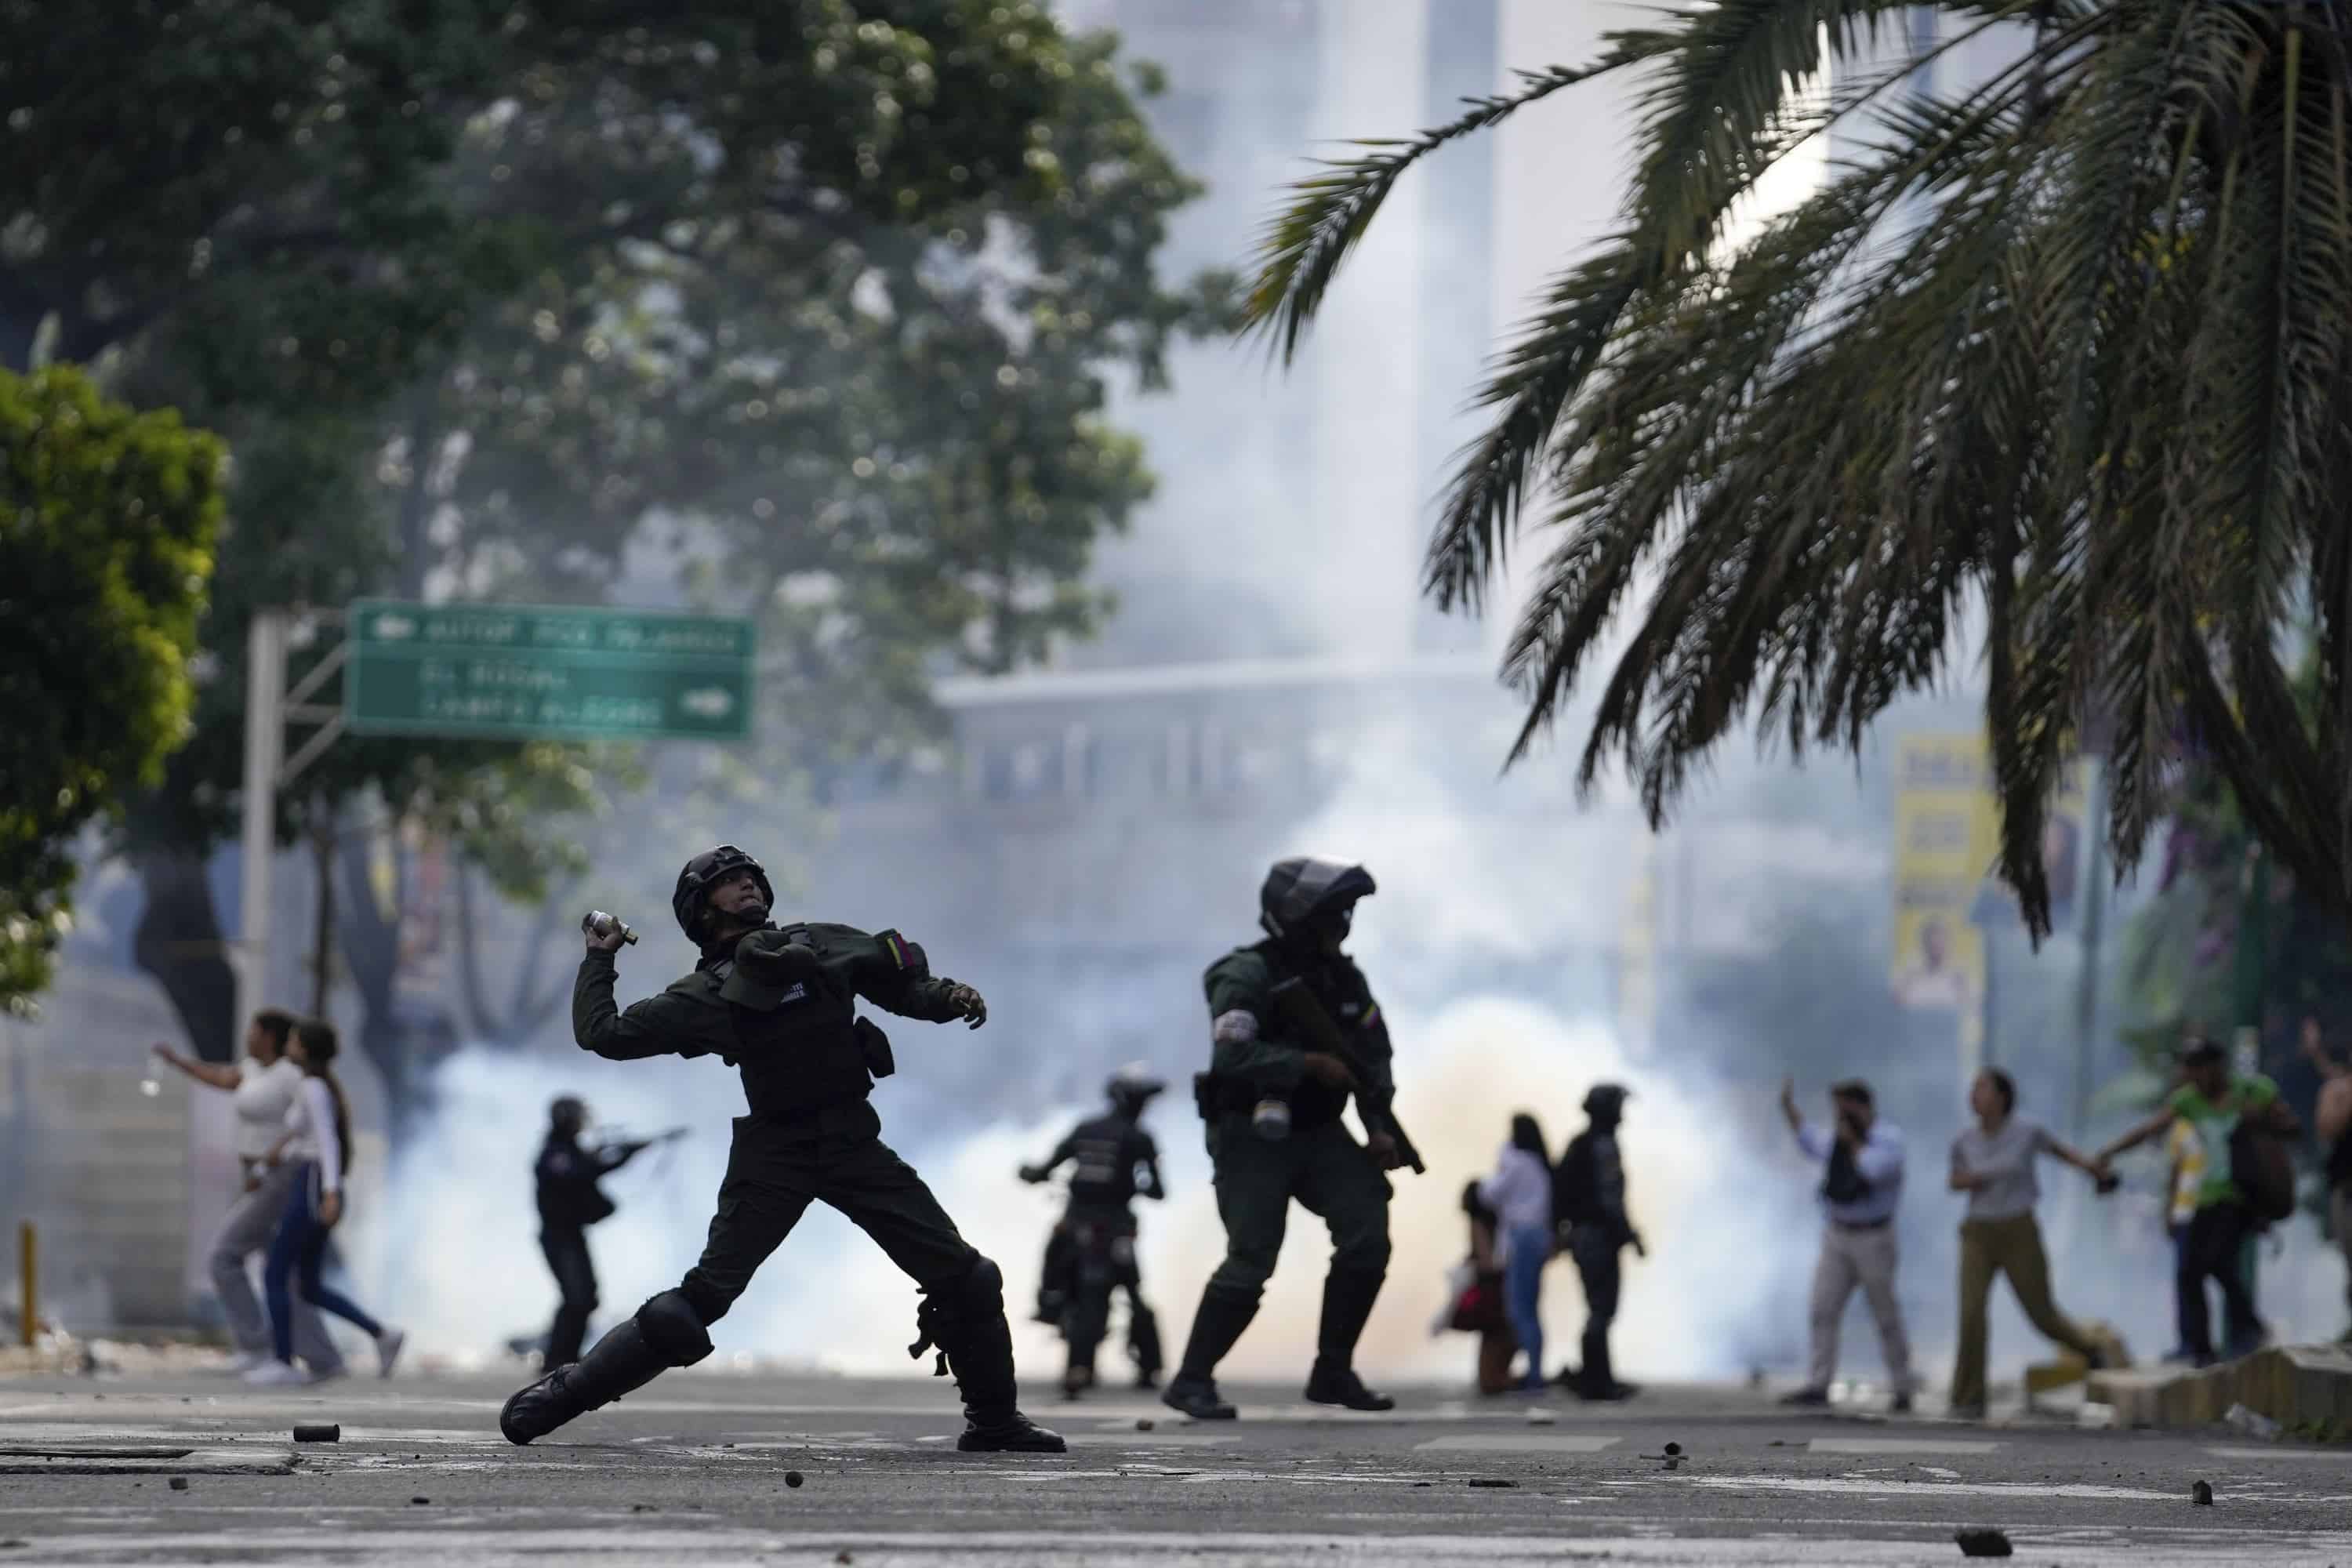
x=874 y=1047
x=1215 y=1095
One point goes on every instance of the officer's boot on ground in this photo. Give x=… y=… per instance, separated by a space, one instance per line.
x=1597 y=1379
x=1143 y=1344
x=1348 y=1298
x=966 y=1321
x=1215 y=1328
x=620 y=1362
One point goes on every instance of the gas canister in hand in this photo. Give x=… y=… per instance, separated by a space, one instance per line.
x=602 y=927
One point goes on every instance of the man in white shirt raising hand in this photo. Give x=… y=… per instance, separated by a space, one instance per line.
x=1861 y=1187
x=264 y=1083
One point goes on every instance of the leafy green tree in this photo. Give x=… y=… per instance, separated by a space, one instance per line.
x=481 y=292
x=108 y=519
x=2066 y=344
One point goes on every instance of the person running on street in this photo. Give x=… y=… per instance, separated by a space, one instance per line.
x=1993 y=1163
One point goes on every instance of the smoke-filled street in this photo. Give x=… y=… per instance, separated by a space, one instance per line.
x=699 y=1468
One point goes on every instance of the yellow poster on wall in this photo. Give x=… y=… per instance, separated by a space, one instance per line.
x=1947 y=842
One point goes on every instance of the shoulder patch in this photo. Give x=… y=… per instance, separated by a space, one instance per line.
x=903 y=955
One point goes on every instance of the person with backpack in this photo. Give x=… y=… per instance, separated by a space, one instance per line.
x=2248 y=1183
x=1588 y=1203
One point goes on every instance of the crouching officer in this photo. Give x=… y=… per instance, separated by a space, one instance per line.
x=780 y=1005
x=1294 y=1031
x=1091 y=1254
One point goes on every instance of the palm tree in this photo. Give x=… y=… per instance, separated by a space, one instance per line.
x=2068 y=350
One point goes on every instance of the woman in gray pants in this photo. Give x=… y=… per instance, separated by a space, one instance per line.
x=264 y=1083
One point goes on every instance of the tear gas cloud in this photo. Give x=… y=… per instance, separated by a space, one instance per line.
x=1499 y=943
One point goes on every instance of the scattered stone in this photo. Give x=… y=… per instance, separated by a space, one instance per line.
x=1493 y=1481
x=1144 y=1423
x=14 y=1545
x=1982 y=1543
x=641 y=1507
x=791 y=1478
x=334 y=1434
x=2201 y=1494
x=843 y=1557
x=179 y=1483
x=1540 y=1417
x=420 y=1502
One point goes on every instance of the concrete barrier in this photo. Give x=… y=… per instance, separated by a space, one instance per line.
x=2298 y=1386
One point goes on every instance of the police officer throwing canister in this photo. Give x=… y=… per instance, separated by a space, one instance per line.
x=570 y=1201
x=780 y=1005
x=1295 y=1032
x=1091 y=1254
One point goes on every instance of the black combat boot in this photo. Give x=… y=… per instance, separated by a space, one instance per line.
x=1598 y=1380
x=1143 y=1346
x=1215 y=1328
x=966 y=1323
x=619 y=1364
x=1348 y=1298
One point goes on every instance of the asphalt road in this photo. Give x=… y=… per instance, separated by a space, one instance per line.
x=694 y=1469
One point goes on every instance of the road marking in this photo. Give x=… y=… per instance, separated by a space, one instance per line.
x=1518 y=1443
x=2334 y=1456
x=1880 y=1446
x=255 y=1461
x=1858 y=1486
x=621 y=1547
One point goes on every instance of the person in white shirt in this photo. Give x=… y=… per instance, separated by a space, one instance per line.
x=317 y=1131
x=1519 y=1192
x=1861 y=1189
x=1993 y=1163
x=263 y=1083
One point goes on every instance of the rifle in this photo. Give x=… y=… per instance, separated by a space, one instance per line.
x=1303 y=1018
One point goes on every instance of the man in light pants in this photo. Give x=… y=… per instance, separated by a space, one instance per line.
x=264 y=1082
x=1862 y=1185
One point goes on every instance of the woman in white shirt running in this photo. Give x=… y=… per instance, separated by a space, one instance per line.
x=1519 y=1192
x=317 y=1131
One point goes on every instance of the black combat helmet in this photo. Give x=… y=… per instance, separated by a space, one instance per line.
x=1131 y=1088
x=704 y=872
x=1299 y=890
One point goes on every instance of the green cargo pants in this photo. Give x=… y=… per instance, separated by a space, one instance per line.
x=1331 y=1175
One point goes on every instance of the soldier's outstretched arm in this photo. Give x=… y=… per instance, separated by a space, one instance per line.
x=653 y=1027
x=899 y=979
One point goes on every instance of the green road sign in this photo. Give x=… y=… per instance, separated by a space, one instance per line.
x=546 y=672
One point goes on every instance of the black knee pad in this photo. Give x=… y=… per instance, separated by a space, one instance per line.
x=673 y=1328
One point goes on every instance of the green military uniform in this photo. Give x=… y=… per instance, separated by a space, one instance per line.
x=1318 y=1163
x=780 y=1006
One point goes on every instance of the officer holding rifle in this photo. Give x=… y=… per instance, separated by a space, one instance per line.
x=1294 y=1034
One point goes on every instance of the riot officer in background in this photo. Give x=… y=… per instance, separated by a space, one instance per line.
x=570 y=1201
x=1294 y=1031
x=780 y=1005
x=1091 y=1253
x=1589 y=1209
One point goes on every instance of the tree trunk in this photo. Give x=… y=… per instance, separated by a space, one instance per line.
x=179 y=944
x=322 y=933
x=372 y=954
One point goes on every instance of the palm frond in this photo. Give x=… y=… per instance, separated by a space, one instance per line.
x=1303 y=246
